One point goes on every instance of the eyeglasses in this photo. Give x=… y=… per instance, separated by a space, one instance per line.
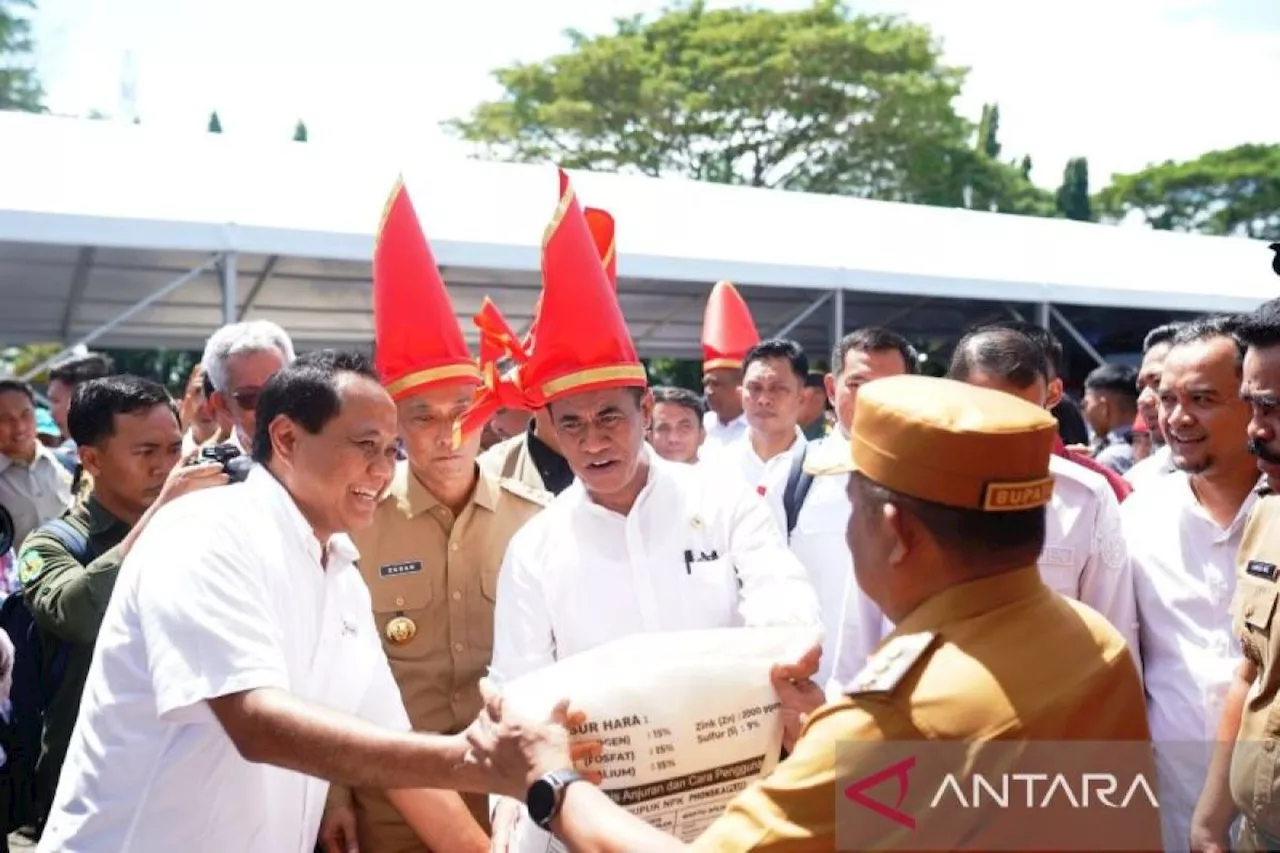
x=247 y=398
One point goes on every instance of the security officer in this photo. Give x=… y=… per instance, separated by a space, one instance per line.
x=126 y=429
x=1243 y=779
x=947 y=524
x=432 y=554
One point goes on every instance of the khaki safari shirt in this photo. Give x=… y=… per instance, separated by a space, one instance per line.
x=999 y=659
x=433 y=579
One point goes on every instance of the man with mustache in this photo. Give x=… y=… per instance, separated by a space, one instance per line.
x=1183 y=538
x=1242 y=777
x=432 y=555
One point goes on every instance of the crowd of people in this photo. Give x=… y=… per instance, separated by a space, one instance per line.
x=310 y=649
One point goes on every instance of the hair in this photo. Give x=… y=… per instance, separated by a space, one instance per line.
x=783 y=348
x=1118 y=379
x=1216 y=326
x=1160 y=335
x=973 y=536
x=83 y=368
x=1261 y=329
x=1045 y=339
x=1071 y=425
x=8 y=386
x=874 y=339
x=238 y=338
x=1012 y=356
x=680 y=397
x=306 y=392
x=91 y=420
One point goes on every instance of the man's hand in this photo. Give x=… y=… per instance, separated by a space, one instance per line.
x=515 y=752
x=1205 y=840
x=800 y=697
x=338 y=830
x=184 y=479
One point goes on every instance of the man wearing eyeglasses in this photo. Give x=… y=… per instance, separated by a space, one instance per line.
x=239 y=359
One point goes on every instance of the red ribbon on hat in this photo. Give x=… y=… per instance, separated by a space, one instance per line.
x=497 y=341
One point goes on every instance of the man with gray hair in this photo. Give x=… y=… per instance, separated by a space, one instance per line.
x=239 y=359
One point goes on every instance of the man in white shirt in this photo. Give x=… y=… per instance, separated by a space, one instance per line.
x=728 y=332
x=239 y=359
x=851 y=620
x=773 y=376
x=238 y=664
x=1084 y=556
x=637 y=544
x=1154 y=349
x=1183 y=538
x=34 y=485
x=677 y=432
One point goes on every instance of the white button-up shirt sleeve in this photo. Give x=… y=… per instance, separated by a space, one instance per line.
x=775 y=587
x=206 y=618
x=523 y=640
x=1106 y=583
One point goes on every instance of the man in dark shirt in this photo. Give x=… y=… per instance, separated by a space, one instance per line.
x=129 y=440
x=533 y=457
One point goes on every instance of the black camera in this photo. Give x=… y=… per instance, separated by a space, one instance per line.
x=234 y=463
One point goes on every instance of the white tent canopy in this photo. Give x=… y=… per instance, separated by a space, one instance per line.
x=96 y=216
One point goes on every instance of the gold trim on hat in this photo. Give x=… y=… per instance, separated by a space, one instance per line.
x=431 y=375
x=1014 y=496
x=608 y=254
x=386 y=207
x=561 y=209
x=593 y=375
x=718 y=363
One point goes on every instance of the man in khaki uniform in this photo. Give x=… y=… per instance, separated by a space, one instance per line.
x=1243 y=779
x=432 y=555
x=533 y=457
x=947 y=524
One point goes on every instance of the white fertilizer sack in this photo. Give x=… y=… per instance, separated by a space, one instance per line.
x=687 y=719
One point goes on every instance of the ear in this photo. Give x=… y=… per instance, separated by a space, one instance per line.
x=899 y=527
x=1055 y=392
x=91 y=459
x=646 y=409
x=284 y=439
x=829 y=384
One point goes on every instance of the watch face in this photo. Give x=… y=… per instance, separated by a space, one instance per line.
x=541 y=801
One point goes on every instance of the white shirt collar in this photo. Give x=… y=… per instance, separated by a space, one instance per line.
x=42 y=453
x=277 y=497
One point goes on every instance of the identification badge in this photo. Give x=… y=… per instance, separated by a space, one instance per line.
x=395 y=570
x=1259 y=569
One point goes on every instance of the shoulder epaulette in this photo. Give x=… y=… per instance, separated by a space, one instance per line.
x=891 y=663
x=521 y=489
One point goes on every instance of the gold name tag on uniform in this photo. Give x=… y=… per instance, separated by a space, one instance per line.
x=1010 y=497
x=395 y=570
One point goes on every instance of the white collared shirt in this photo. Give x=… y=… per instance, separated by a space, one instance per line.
x=720 y=436
x=818 y=541
x=224 y=592
x=767 y=478
x=33 y=494
x=1084 y=558
x=1152 y=469
x=693 y=553
x=1184 y=571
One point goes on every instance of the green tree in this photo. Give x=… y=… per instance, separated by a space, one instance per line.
x=675 y=372
x=169 y=367
x=215 y=124
x=1073 y=196
x=989 y=130
x=817 y=99
x=19 y=86
x=1231 y=192
x=300 y=131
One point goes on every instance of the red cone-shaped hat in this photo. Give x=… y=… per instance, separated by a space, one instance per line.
x=728 y=331
x=419 y=343
x=602 y=234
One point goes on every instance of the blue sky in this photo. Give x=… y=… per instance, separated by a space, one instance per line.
x=1125 y=82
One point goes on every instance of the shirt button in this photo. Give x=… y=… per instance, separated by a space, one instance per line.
x=453 y=546
x=457 y=595
x=399 y=602
x=457 y=647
